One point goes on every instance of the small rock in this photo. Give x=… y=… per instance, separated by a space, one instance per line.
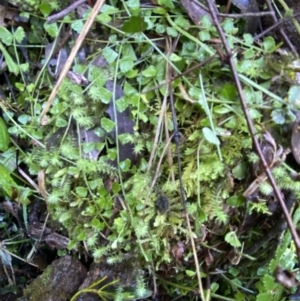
x=59 y=282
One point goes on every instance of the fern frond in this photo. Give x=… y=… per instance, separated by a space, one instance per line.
x=100 y=252
x=115 y=259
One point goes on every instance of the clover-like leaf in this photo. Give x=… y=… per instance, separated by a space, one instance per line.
x=210 y=136
x=232 y=239
x=107 y=124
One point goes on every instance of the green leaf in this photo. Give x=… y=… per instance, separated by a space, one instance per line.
x=229 y=91
x=221 y=110
x=175 y=58
x=160 y=29
x=108 y=9
x=229 y=28
x=248 y=38
x=77 y=25
x=60 y=121
x=206 y=22
x=166 y=3
x=239 y=296
x=172 y=32
x=194 y=92
x=132 y=73
x=6 y=181
x=269 y=44
x=269 y=283
x=103 y=18
x=133 y=4
x=236 y=201
x=24 y=67
x=149 y=72
x=82 y=235
x=116 y=187
x=249 y=53
x=122 y=104
x=294 y=96
x=240 y=171
x=107 y=124
x=5 y=36
x=190 y=273
x=81 y=191
x=202 y=217
x=45 y=9
x=4 y=136
x=19 y=34
x=125 y=165
x=129 y=89
x=264 y=297
x=204 y=35
x=134 y=24
x=105 y=95
x=210 y=136
x=109 y=54
x=24 y=119
x=232 y=239
x=278 y=116
x=20 y=86
x=97 y=224
x=51 y=29
x=129 y=52
x=126 y=64
x=234 y=271
x=12 y=66
x=182 y=22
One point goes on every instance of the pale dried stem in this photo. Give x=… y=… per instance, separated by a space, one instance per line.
x=71 y=57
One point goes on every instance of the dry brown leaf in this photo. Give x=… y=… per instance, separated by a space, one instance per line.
x=41 y=184
x=195 y=11
x=295 y=143
x=178 y=250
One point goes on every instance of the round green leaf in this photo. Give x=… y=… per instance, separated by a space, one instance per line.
x=134 y=24
x=149 y=72
x=232 y=239
x=4 y=136
x=210 y=136
x=19 y=34
x=6 y=36
x=107 y=124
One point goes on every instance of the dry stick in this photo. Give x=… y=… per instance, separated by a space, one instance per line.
x=71 y=57
x=168 y=76
x=64 y=12
x=156 y=138
x=159 y=124
x=241 y=16
x=228 y=6
x=277 y=23
x=160 y=162
x=189 y=70
x=213 y=10
x=234 y=16
x=176 y=137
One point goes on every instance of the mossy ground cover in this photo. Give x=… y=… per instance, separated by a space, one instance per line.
x=104 y=158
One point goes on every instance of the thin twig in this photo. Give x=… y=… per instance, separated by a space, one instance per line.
x=176 y=138
x=189 y=70
x=244 y=15
x=235 y=16
x=157 y=134
x=251 y=128
x=64 y=12
x=71 y=57
x=168 y=76
x=277 y=23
